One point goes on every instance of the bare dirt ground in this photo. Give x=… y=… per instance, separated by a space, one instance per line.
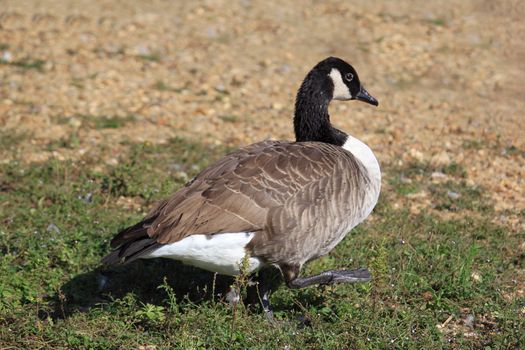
x=89 y=77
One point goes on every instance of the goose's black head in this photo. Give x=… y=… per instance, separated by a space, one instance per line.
x=345 y=84
x=331 y=79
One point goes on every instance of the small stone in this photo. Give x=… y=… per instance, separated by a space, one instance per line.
x=415 y=154
x=53 y=228
x=277 y=106
x=220 y=88
x=438 y=177
x=420 y=194
x=6 y=56
x=469 y=321
x=112 y=161
x=440 y=160
x=88 y=198
x=476 y=276
x=142 y=50
x=147 y=347
x=181 y=175
x=453 y=195
x=405 y=180
x=211 y=32
x=75 y=123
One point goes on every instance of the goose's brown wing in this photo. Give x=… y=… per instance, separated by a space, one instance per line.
x=234 y=195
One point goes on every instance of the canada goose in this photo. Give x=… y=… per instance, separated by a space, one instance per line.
x=274 y=203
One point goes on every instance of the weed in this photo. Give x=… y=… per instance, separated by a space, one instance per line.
x=71 y=141
x=379 y=266
x=229 y=118
x=9 y=139
x=101 y=122
x=153 y=314
x=162 y=86
x=26 y=64
x=152 y=57
x=437 y=21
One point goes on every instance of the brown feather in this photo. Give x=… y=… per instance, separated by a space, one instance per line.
x=276 y=189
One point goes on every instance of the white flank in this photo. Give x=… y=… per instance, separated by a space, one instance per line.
x=365 y=155
x=341 y=91
x=222 y=253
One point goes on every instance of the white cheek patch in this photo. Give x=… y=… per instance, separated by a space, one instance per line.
x=341 y=91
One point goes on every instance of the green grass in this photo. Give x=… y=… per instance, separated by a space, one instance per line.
x=100 y=121
x=152 y=57
x=10 y=139
x=437 y=21
x=26 y=64
x=229 y=118
x=58 y=217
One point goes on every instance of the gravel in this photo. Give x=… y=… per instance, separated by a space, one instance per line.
x=449 y=77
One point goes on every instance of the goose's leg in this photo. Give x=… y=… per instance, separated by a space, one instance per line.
x=267 y=308
x=292 y=279
x=267 y=281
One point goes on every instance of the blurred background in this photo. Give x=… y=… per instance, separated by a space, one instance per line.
x=449 y=76
x=109 y=105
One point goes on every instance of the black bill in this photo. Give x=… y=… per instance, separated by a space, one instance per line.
x=364 y=96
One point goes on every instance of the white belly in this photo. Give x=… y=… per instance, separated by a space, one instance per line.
x=222 y=253
x=365 y=155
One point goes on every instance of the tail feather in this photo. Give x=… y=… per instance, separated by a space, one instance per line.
x=131 y=244
x=132 y=233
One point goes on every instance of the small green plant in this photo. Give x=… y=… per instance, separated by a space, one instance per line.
x=379 y=266
x=162 y=86
x=239 y=290
x=173 y=306
x=242 y=279
x=153 y=57
x=437 y=21
x=26 y=64
x=229 y=118
x=71 y=141
x=153 y=314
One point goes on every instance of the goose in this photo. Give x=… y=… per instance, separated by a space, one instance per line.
x=272 y=204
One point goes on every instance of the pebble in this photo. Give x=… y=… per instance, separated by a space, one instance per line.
x=476 y=276
x=74 y=122
x=52 y=228
x=6 y=56
x=440 y=159
x=416 y=154
x=453 y=195
x=438 y=175
x=277 y=106
x=469 y=321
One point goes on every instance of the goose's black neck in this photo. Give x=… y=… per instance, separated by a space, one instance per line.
x=311 y=119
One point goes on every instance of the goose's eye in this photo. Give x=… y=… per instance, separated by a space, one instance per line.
x=349 y=76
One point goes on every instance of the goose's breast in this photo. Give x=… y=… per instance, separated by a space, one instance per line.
x=348 y=218
x=353 y=198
